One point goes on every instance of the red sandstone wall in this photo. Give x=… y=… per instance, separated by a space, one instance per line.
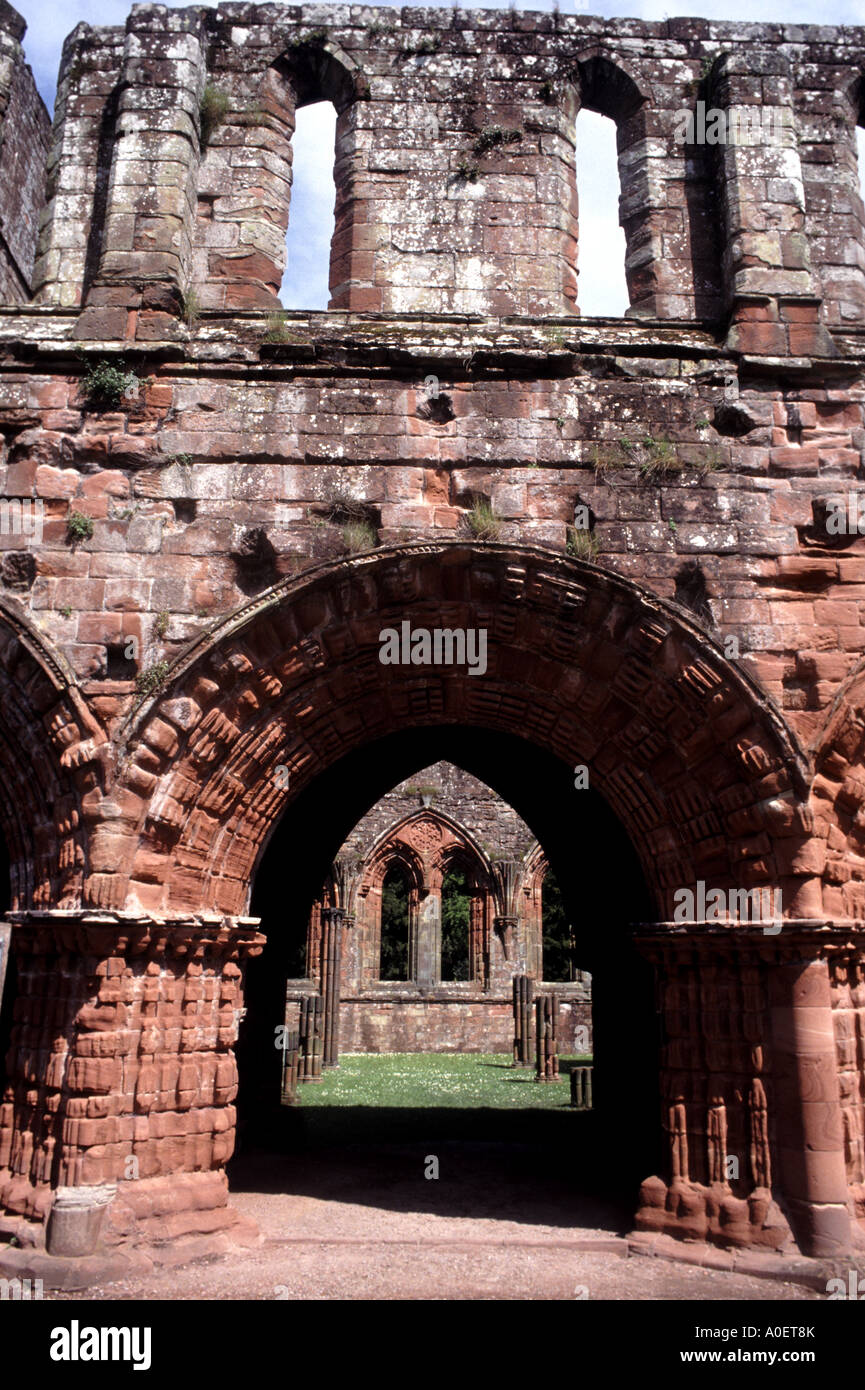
x=438 y=1025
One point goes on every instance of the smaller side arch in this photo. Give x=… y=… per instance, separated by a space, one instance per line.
x=51 y=757
x=672 y=254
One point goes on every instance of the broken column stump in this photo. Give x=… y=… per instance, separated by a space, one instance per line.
x=523 y=994
x=311 y=1042
x=581 y=1088
x=546 y=1038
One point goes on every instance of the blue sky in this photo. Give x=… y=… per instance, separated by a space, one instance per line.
x=601 y=239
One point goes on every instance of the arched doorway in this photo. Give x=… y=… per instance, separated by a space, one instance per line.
x=581 y=668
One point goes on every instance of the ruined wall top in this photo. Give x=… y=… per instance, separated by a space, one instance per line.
x=169 y=177
x=25 y=132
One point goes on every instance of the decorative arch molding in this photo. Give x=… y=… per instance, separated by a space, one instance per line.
x=390 y=849
x=584 y=663
x=426 y=843
x=430 y=857
x=51 y=754
x=535 y=869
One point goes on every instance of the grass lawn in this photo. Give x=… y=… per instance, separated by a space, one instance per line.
x=437 y=1080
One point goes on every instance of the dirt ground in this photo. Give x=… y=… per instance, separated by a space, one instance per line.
x=365 y=1223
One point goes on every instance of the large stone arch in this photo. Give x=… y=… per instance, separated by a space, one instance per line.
x=583 y=666
x=693 y=758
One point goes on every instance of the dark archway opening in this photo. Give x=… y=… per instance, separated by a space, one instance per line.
x=601 y=886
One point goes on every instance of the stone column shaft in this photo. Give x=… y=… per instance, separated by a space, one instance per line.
x=808 y=1120
x=332 y=921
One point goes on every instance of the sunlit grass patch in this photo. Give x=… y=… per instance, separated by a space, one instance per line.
x=426 y=1081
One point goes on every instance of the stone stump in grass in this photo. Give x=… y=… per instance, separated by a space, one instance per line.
x=546 y=1038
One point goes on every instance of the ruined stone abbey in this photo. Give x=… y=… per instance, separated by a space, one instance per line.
x=212 y=511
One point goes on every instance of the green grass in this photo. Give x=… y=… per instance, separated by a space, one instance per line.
x=430 y=1081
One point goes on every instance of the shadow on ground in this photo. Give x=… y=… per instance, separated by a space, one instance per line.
x=539 y=1167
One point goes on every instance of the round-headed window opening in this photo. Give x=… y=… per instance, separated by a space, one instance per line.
x=311 y=219
x=602 y=289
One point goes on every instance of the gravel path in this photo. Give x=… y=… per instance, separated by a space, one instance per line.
x=366 y=1224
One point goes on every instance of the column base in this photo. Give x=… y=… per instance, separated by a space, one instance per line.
x=150 y=1223
x=692 y=1211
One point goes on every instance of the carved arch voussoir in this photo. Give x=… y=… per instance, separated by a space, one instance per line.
x=581 y=662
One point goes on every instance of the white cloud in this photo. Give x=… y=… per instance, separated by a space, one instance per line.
x=601 y=257
x=304 y=285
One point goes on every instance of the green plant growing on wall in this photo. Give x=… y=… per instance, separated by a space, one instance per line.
x=482 y=521
x=467 y=171
x=212 y=111
x=160 y=625
x=191 y=308
x=65 y=611
x=712 y=460
x=315 y=37
x=277 y=328
x=708 y=62
x=492 y=137
x=79 y=527
x=421 y=789
x=358 y=536
x=610 y=457
x=582 y=544
x=340 y=505
x=106 y=386
x=147 y=682
x=659 y=458
x=423 y=49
